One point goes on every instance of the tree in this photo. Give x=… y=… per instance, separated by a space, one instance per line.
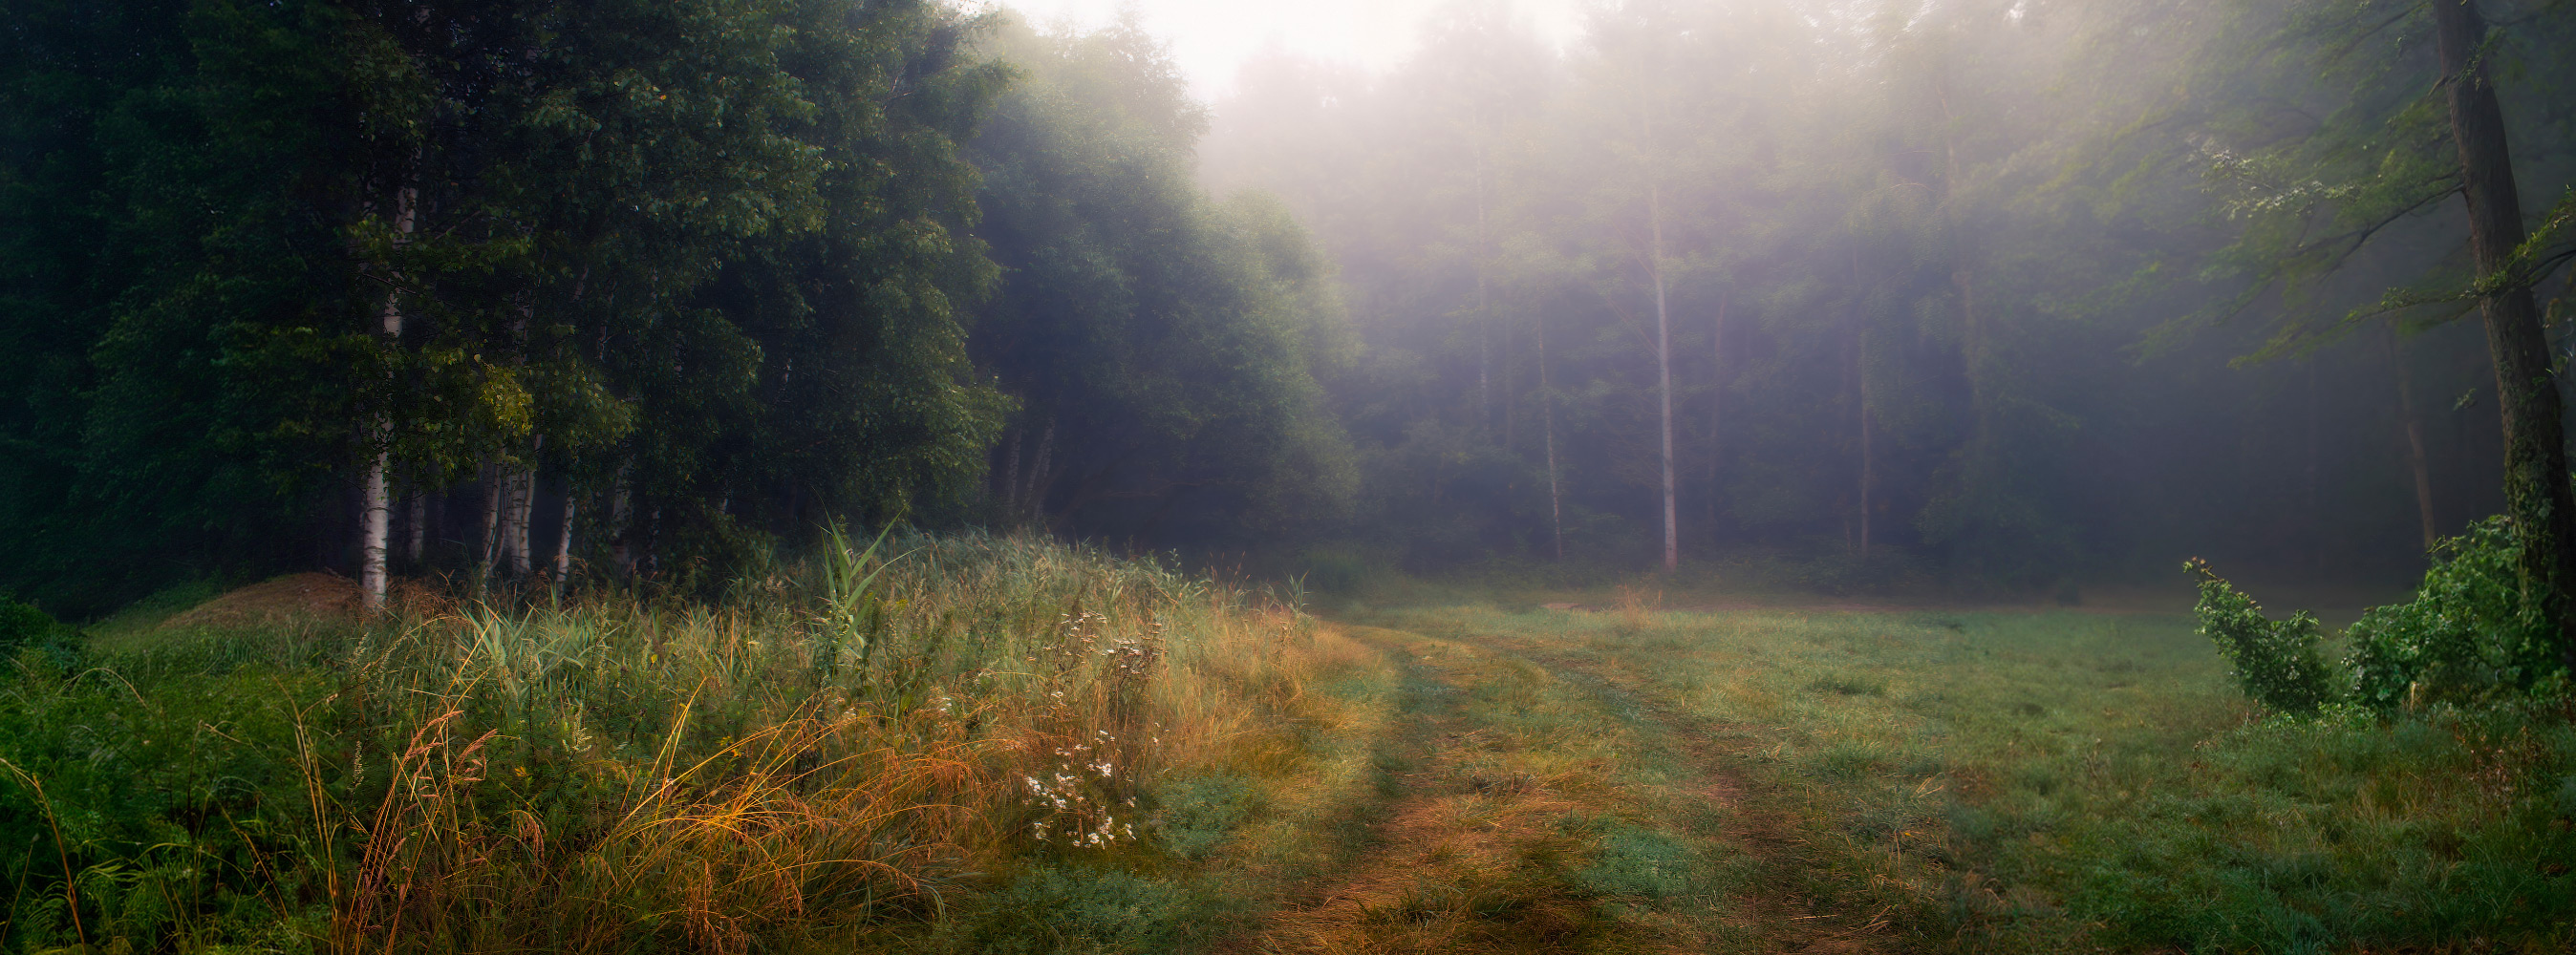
x=1163 y=348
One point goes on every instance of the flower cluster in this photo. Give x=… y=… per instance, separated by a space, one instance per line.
x=1069 y=796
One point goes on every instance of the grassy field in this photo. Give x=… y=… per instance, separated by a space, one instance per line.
x=1004 y=746
x=2053 y=781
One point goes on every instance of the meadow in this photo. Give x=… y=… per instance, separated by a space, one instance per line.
x=2024 y=780
x=981 y=744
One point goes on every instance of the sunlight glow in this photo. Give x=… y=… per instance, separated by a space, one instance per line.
x=1210 y=39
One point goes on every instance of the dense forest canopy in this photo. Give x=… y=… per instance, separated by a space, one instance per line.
x=2003 y=294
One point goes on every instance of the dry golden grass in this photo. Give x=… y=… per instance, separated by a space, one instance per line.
x=796 y=774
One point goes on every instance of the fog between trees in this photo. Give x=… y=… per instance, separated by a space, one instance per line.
x=2007 y=296
x=1962 y=282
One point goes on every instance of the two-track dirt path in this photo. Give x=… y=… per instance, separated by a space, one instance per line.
x=1542 y=803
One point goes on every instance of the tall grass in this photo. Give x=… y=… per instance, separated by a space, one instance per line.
x=846 y=750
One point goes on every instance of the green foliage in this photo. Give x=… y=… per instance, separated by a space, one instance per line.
x=1054 y=911
x=2468 y=636
x=1198 y=815
x=1163 y=348
x=2278 y=663
x=174 y=791
x=1640 y=863
x=678 y=252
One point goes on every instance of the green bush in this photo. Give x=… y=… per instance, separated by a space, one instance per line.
x=2467 y=636
x=2276 y=661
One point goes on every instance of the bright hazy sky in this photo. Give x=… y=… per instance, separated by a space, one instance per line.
x=1210 y=38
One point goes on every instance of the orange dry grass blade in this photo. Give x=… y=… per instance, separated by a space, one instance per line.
x=818 y=821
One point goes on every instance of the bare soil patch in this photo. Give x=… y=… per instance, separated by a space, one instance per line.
x=312 y=597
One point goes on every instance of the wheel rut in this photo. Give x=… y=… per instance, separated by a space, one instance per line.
x=1504 y=804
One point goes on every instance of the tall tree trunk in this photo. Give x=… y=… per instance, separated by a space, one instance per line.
x=505 y=541
x=2417 y=463
x=522 y=505
x=1963 y=278
x=1547 y=417
x=374 y=525
x=1868 y=460
x=2315 y=477
x=418 y=529
x=1010 y=489
x=493 y=477
x=1484 y=328
x=1035 y=497
x=1663 y=367
x=1716 y=411
x=563 y=540
x=2535 y=459
x=621 y=520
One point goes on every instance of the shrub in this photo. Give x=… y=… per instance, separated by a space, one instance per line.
x=2276 y=661
x=2468 y=635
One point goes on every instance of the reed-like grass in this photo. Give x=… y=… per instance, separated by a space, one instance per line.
x=864 y=750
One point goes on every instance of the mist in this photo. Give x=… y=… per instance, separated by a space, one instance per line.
x=1428 y=476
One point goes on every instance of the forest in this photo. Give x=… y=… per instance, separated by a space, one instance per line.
x=1758 y=475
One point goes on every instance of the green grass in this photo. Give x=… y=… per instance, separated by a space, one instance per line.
x=1001 y=733
x=2033 y=781
x=1010 y=746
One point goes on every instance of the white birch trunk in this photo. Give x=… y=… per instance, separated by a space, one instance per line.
x=374 y=525
x=373 y=528
x=563 y=542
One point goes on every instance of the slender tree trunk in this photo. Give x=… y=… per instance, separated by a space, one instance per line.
x=2315 y=483
x=374 y=525
x=1663 y=368
x=1010 y=490
x=1868 y=460
x=2536 y=486
x=491 y=543
x=505 y=542
x=1716 y=411
x=1963 y=278
x=1484 y=327
x=418 y=529
x=621 y=516
x=563 y=541
x=2417 y=463
x=373 y=533
x=1547 y=417
x=522 y=504
x=1035 y=498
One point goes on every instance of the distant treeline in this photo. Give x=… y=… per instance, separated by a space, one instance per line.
x=1952 y=288
x=617 y=286
x=1949 y=290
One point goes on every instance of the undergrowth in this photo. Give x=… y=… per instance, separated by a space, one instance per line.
x=910 y=753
